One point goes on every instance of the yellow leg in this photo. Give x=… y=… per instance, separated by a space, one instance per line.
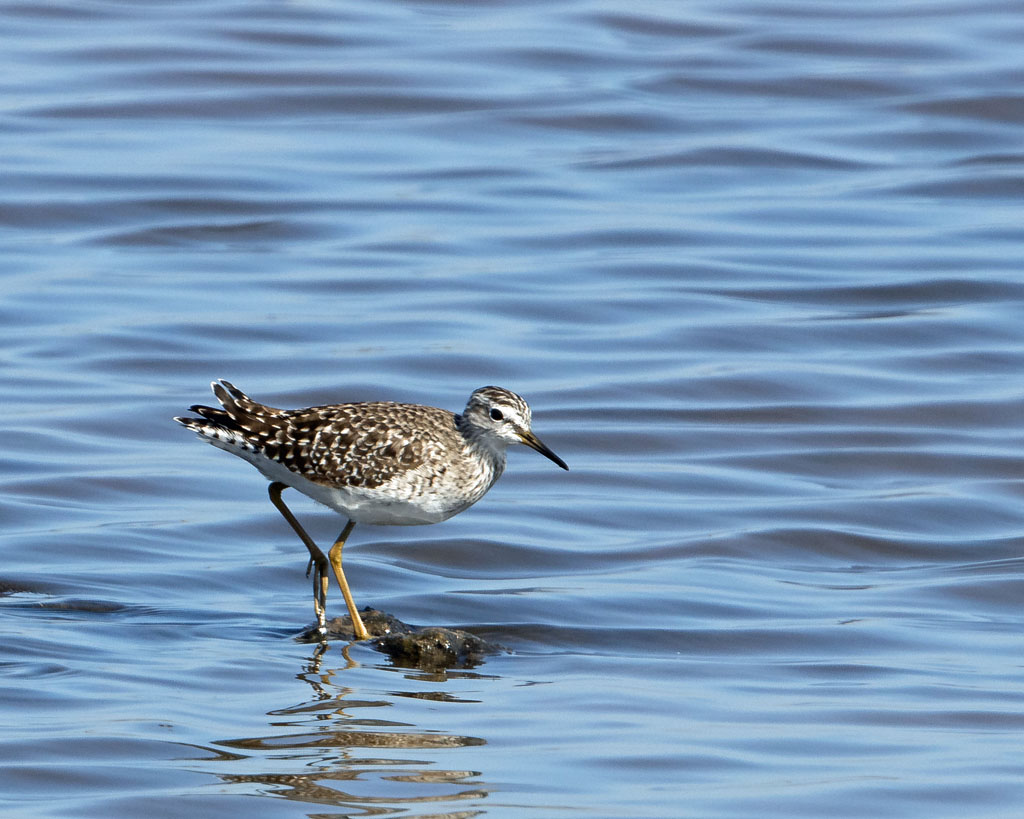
x=335 y=553
x=316 y=558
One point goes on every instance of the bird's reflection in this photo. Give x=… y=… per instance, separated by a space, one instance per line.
x=338 y=749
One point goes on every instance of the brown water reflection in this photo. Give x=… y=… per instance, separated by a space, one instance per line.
x=333 y=730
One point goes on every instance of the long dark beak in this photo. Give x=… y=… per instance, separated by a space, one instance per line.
x=533 y=442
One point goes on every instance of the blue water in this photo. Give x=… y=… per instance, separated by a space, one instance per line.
x=757 y=268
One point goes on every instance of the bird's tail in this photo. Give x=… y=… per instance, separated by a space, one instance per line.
x=233 y=420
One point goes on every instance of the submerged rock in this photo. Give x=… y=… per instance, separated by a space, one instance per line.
x=434 y=648
x=428 y=648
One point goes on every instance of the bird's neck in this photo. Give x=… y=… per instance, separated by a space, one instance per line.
x=483 y=443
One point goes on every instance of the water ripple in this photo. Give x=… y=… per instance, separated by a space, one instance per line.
x=756 y=267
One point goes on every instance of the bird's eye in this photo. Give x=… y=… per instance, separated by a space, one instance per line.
x=496 y=415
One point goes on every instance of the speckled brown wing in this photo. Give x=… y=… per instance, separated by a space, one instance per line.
x=342 y=445
x=360 y=445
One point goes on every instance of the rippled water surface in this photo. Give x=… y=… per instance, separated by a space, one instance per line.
x=757 y=267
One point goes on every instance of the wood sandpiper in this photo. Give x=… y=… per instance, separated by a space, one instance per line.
x=377 y=462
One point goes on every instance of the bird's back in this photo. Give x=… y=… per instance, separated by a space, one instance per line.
x=377 y=462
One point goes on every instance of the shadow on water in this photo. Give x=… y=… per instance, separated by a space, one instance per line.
x=355 y=759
